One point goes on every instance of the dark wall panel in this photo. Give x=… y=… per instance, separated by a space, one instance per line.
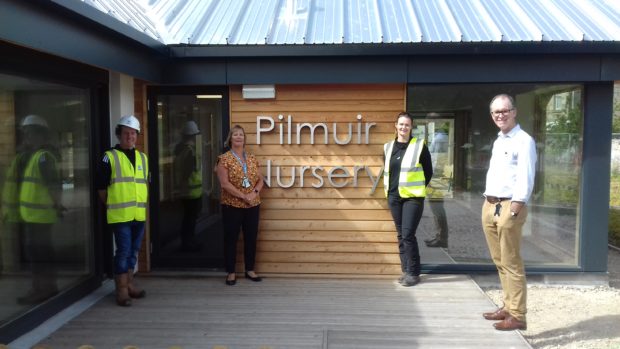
x=610 y=68
x=594 y=200
x=42 y=27
x=194 y=72
x=365 y=70
x=512 y=68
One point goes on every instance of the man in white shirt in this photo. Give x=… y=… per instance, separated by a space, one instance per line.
x=509 y=184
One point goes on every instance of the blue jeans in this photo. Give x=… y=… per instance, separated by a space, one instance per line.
x=128 y=237
x=407 y=214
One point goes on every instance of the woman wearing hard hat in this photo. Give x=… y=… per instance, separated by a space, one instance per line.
x=123 y=187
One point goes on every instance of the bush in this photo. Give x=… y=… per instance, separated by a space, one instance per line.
x=614 y=226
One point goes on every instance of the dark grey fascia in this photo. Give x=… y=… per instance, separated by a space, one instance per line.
x=407 y=49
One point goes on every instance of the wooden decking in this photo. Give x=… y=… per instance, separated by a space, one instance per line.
x=444 y=311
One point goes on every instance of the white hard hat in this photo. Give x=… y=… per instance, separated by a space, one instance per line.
x=34 y=120
x=129 y=121
x=190 y=128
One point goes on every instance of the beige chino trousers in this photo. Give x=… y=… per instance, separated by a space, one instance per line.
x=503 y=235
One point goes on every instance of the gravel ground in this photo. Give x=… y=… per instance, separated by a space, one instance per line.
x=569 y=317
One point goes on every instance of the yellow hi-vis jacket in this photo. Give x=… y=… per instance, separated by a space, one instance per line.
x=411 y=181
x=195 y=184
x=194 y=181
x=128 y=190
x=35 y=202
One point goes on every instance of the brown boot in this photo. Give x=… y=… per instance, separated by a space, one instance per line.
x=122 y=290
x=134 y=291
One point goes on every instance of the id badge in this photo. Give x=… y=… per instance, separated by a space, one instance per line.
x=245 y=183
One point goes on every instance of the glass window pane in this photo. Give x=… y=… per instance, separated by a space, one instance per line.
x=552 y=115
x=46 y=230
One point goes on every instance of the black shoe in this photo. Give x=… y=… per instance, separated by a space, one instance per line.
x=401 y=278
x=231 y=282
x=410 y=280
x=255 y=279
x=437 y=243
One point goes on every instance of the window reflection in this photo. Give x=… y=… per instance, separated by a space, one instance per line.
x=45 y=233
x=553 y=115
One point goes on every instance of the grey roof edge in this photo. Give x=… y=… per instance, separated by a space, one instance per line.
x=395 y=49
x=86 y=11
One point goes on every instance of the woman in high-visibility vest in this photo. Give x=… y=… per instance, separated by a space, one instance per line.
x=123 y=187
x=407 y=171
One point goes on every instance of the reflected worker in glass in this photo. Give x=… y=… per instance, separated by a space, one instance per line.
x=407 y=171
x=188 y=179
x=241 y=182
x=122 y=184
x=39 y=207
x=509 y=184
x=435 y=196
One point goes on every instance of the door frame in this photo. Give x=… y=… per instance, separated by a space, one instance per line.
x=153 y=150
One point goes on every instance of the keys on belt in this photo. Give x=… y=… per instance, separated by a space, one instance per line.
x=497 y=202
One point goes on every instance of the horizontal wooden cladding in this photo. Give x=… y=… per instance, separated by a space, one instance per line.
x=374 y=138
x=329 y=268
x=342 y=127
x=328 y=235
x=368 y=106
x=314 y=193
x=331 y=92
x=357 y=225
x=321 y=160
x=321 y=203
x=270 y=151
x=319 y=214
x=250 y=117
x=321 y=257
x=345 y=228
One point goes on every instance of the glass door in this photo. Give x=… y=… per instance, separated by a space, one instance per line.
x=185 y=213
x=439 y=136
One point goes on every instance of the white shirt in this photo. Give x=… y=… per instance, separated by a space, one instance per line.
x=513 y=166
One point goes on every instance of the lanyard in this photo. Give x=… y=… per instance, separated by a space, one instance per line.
x=243 y=163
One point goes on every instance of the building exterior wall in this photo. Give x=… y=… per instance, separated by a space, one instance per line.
x=343 y=226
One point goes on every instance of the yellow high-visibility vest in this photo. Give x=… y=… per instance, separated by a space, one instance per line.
x=411 y=181
x=195 y=184
x=35 y=202
x=128 y=190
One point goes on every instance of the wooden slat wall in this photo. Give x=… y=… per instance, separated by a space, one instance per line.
x=327 y=230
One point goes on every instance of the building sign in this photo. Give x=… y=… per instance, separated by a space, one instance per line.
x=355 y=133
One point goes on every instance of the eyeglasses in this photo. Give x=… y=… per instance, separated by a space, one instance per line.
x=501 y=112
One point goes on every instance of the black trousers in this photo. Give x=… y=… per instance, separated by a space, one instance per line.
x=246 y=220
x=407 y=214
x=191 y=209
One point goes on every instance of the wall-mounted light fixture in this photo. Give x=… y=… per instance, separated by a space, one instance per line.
x=259 y=91
x=209 y=96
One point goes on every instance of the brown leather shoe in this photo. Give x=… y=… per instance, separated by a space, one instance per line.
x=510 y=324
x=499 y=314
